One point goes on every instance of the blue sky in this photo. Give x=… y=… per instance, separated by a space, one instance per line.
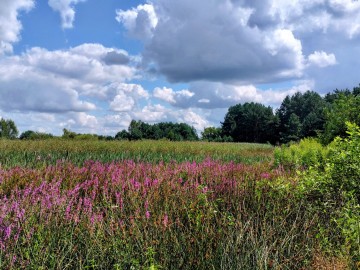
x=92 y=66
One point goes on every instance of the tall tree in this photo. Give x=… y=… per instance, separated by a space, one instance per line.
x=8 y=129
x=309 y=108
x=250 y=122
x=211 y=134
x=344 y=108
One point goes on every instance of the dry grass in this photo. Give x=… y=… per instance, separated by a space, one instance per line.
x=321 y=262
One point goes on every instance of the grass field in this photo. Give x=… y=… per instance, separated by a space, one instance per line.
x=33 y=153
x=157 y=205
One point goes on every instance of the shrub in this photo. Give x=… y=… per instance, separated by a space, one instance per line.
x=334 y=190
x=308 y=152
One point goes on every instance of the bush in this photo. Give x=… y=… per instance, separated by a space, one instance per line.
x=334 y=190
x=308 y=152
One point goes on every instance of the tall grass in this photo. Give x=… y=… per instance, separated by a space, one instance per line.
x=45 y=152
x=127 y=215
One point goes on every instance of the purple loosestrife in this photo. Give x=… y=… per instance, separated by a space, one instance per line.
x=116 y=193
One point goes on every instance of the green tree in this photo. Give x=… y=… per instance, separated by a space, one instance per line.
x=8 y=129
x=344 y=108
x=122 y=135
x=211 y=134
x=32 y=135
x=292 y=129
x=134 y=130
x=309 y=108
x=68 y=134
x=250 y=122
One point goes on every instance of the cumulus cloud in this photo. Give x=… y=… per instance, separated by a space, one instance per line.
x=212 y=40
x=322 y=59
x=63 y=80
x=248 y=41
x=211 y=95
x=171 y=96
x=116 y=58
x=10 y=25
x=83 y=62
x=122 y=103
x=139 y=21
x=66 y=10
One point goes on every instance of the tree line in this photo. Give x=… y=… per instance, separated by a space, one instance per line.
x=300 y=115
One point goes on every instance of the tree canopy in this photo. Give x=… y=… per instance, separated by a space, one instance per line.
x=250 y=122
x=8 y=129
x=138 y=130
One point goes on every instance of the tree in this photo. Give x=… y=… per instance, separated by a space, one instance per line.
x=8 y=129
x=344 y=108
x=293 y=129
x=250 y=122
x=211 y=134
x=309 y=108
x=32 y=135
x=175 y=132
x=122 y=135
x=68 y=134
x=134 y=130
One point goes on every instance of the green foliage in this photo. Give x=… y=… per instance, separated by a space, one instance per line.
x=67 y=134
x=8 y=129
x=331 y=184
x=292 y=129
x=343 y=166
x=305 y=154
x=211 y=134
x=35 y=153
x=32 y=135
x=139 y=130
x=250 y=122
x=122 y=135
x=342 y=109
x=301 y=115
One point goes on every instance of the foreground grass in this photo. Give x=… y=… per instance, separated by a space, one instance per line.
x=128 y=215
x=172 y=207
x=45 y=152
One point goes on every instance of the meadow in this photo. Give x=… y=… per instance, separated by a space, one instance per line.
x=34 y=153
x=164 y=205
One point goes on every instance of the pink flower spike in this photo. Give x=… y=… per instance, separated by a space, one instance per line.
x=7 y=232
x=165 y=220
x=147 y=214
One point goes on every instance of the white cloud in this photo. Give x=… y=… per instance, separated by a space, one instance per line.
x=152 y=113
x=117 y=122
x=251 y=42
x=122 y=103
x=212 y=40
x=322 y=59
x=171 y=96
x=139 y=21
x=62 y=80
x=66 y=10
x=193 y=119
x=85 y=120
x=10 y=26
x=210 y=95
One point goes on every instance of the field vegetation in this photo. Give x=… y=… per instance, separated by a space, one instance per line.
x=35 y=153
x=68 y=204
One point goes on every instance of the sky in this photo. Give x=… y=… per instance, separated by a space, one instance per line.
x=92 y=66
